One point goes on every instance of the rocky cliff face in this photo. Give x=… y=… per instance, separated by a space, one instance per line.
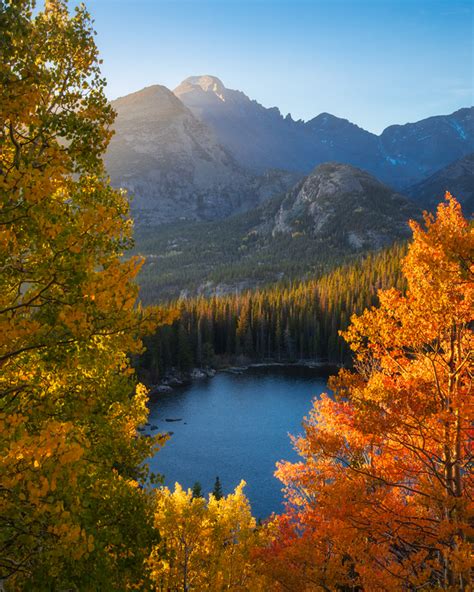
x=261 y=138
x=457 y=178
x=344 y=207
x=335 y=214
x=173 y=166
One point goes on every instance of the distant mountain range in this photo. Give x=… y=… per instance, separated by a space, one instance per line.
x=206 y=152
x=457 y=178
x=260 y=138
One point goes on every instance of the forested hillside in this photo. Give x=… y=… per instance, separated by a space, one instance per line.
x=207 y=258
x=282 y=323
x=332 y=216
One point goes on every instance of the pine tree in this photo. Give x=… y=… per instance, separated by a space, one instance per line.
x=185 y=357
x=280 y=322
x=217 y=491
x=197 y=490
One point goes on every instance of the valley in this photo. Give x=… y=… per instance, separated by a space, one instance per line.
x=236 y=346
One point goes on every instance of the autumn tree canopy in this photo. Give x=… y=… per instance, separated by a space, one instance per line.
x=205 y=545
x=72 y=511
x=382 y=498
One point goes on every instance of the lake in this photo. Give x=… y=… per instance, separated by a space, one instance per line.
x=235 y=426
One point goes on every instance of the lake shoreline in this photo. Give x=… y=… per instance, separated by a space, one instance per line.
x=178 y=379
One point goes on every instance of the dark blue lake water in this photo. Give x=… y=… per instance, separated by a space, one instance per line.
x=235 y=426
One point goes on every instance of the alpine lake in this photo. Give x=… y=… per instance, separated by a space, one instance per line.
x=236 y=425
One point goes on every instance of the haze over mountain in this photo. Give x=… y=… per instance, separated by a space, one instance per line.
x=457 y=178
x=206 y=152
x=260 y=137
x=173 y=165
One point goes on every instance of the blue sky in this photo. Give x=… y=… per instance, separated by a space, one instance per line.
x=375 y=62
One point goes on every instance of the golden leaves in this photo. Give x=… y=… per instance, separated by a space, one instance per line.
x=205 y=544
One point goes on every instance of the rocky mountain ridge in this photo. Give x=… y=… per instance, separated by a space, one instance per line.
x=345 y=207
x=336 y=213
x=262 y=137
x=206 y=152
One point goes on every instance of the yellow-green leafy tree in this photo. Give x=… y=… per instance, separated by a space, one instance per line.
x=73 y=511
x=205 y=545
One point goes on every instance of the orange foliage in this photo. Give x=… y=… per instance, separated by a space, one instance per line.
x=382 y=498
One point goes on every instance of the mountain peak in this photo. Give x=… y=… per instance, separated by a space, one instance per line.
x=154 y=102
x=206 y=83
x=153 y=92
x=341 y=169
x=341 y=204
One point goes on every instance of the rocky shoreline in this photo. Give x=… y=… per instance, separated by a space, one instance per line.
x=177 y=379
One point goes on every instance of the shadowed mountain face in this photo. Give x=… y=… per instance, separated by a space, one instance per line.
x=420 y=149
x=457 y=178
x=261 y=138
x=172 y=164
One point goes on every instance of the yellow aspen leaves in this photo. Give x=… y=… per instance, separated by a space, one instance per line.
x=72 y=499
x=205 y=545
